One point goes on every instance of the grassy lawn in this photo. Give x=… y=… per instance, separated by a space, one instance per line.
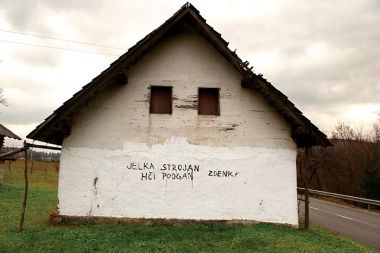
x=39 y=236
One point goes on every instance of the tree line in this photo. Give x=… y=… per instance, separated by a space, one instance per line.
x=350 y=167
x=33 y=155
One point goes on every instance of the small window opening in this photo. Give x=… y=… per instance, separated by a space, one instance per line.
x=208 y=101
x=161 y=99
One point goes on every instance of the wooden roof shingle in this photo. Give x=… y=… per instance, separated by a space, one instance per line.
x=5 y=132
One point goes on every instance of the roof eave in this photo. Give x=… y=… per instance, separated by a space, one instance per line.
x=5 y=132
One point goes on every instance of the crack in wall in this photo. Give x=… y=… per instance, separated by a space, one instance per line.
x=95 y=195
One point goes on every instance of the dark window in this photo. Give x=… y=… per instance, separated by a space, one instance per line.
x=161 y=99
x=208 y=101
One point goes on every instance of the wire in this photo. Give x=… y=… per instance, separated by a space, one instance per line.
x=60 y=48
x=55 y=38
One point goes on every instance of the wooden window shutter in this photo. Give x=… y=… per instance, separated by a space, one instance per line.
x=161 y=99
x=208 y=101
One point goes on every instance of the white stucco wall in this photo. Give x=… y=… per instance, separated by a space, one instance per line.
x=102 y=162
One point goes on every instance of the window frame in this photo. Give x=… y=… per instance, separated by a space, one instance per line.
x=218 y=100
x=152 y=87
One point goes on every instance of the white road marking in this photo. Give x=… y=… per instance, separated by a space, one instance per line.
x=344 y=217
x=347 y=207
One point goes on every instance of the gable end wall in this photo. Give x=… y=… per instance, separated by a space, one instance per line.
x=121 y=161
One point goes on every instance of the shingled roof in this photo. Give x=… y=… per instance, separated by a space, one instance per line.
x=5 y=132
x=57 y=126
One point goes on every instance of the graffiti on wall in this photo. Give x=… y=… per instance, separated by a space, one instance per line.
x=170 y=171
x=150 y=171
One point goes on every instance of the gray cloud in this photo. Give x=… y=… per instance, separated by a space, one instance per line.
x=24 y=14
x=25 y=115
x=25 y=86
x=325 y=54
x=39 y=56
x=346 y=74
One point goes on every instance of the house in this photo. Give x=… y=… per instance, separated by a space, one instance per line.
x=5 y=132
x=179 y=127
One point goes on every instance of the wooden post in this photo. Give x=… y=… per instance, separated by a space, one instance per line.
x=9 y=165
x=2 y=171
x=306 y=190
x=306 y=207
x=21 y=224
x=31 y=159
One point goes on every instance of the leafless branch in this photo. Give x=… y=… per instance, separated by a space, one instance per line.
x=3 y=100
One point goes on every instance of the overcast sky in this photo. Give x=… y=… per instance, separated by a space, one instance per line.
x=324 y=55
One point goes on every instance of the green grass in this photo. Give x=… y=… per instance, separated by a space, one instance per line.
x=39 y=236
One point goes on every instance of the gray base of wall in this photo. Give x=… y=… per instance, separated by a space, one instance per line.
x=56 y=219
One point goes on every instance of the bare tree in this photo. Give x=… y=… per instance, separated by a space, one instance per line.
x=351 y=166
x=376 y=130
x=3 y=100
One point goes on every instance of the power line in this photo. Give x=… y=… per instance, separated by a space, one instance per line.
x=51 y=47
x=55 y=38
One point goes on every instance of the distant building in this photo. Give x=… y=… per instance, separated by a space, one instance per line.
x=179 y=127
x=5 y=132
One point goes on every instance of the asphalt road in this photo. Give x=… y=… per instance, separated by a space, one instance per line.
x=360 y=225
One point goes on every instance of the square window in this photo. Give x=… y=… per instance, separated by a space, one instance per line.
x=208 y=101
x=161 y=99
